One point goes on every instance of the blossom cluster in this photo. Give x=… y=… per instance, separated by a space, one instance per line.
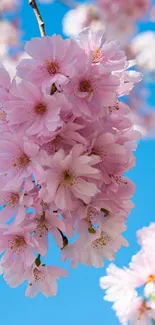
x=121 y=284
x=118 y=18
x=123 y=14
x=66 y=140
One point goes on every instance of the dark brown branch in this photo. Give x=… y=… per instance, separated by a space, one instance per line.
x=41 y=24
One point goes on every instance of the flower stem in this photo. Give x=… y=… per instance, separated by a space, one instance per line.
x=40 y=21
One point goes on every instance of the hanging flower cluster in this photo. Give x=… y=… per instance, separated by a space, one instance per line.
x=66 y=140
x=121 y=284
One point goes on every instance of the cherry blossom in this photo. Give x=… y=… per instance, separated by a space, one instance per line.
x=66 y=141
x=142 y=47
x=38 y=114
x=9 y=33
x=18 y=246
x=53 y=65
x=43 y=279
x=6 y=5
x=121 y=284
x=84 y=15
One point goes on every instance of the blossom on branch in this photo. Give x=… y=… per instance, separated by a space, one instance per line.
x=66 y=141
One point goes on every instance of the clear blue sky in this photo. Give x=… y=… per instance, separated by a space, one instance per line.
x=80 y=300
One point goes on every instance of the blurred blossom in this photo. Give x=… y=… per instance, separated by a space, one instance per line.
x=80 y=17
x=121 y=284
x=6 y=5
x=143 y=48
x=9 y=33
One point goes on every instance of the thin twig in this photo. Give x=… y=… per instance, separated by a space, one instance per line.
x=41 y=24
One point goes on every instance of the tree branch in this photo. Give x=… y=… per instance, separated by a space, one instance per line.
x=41 y=24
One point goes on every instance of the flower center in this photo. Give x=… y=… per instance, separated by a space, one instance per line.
x=45 y=206
x=21 y=162
x=101 y=241
x=40 y=108
x=53 y=145
x=151 y=278
x=42 y=228
x=118 y=179
x=91 y=216
x=52 y=67
x=3 y=116
x=12 y=200
x=18 y=244
x=142 y=309
x=97 y=56
x=85 y=86
x=38 y=276
x=68 y=177
x=98 y=151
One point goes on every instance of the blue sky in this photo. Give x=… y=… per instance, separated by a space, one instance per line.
x=79 y=299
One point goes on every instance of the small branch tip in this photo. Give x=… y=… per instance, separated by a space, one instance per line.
x=41 y=24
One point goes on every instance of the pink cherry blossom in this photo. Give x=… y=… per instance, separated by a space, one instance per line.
x=120 y=17
x=93 y=248
x=43 y=279
x=38 y=114
x=12 y=201
x=121 y=284
x=5 y=84
x=83 y=15
x=113 y=9
x=90 y=91
x=51 y=60
x=46 y=223
x=18 y=245
x=64 y=138
x=40 y=278
x=66 y=142
x=17 y=162
x=108 y=53
x=69 y=176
